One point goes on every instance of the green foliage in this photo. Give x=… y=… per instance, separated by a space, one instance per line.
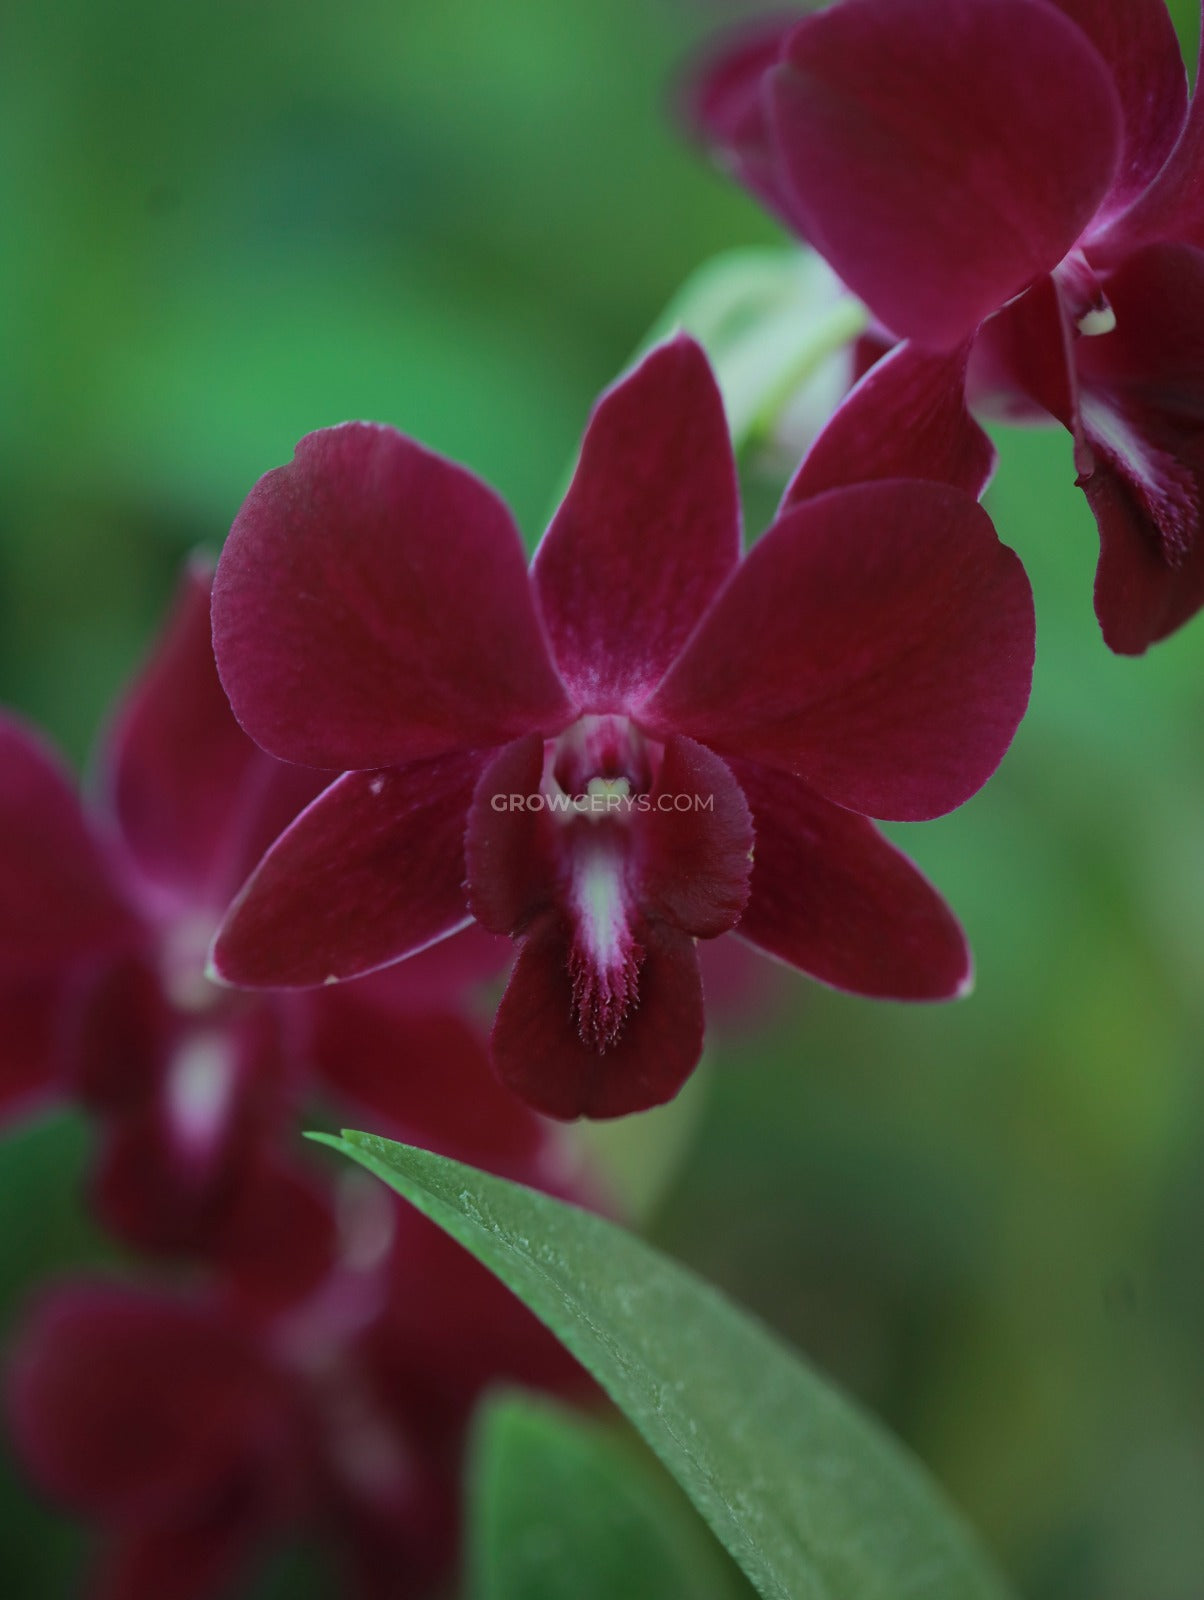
x=567 y=1509
x=813 y=1499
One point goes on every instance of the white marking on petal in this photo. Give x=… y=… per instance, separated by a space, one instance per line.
x=606 y=959
x=199 y=1089
x=375 y=785
x=601 y=908
x=1108 y=428
x=1164 y=484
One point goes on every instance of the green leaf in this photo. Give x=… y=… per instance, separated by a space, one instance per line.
x=566 y=1509
x=813 y=1499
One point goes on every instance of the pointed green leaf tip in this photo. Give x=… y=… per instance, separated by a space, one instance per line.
x=812 y=1498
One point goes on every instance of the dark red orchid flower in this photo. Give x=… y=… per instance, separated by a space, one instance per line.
x=644 y=741
x=1023 y=176
x=196 y=1441
x=108 y=911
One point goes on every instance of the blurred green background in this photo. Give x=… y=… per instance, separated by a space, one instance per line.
x=227 y=224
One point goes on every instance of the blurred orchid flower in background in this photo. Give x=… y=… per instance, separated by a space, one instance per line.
x=1015 y=185
x=195 y=1090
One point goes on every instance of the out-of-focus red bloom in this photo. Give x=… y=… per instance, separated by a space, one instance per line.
x=1023 y=176
x=107 y=914
x=582 y=756
x=196 y=1440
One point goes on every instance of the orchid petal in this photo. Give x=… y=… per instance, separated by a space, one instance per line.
x=1172 y=207
x=1141 y=418
x=32 y=1054
x=372 y=608
x=179 y=773
x=201 y=1559
x=832 y=897
x=1138 y=42
x=440 y=978
x=177 y=1156
x=59 y=901
x=424 y=1078
x=261 y=1225
x=941 y=154
x=1023 y=358
x=647 y=534
x=745 y=989
x=1133 y=398
x=277 y=1241
x=1139 y=598
x=510 y=860
x=100 y=1415
x=877 y=642
x=695 y=844
x=121 y=1031
x=539 y=1053
x=867 y=439
x=725 y=105
x=371 y=872
x=470 y=1334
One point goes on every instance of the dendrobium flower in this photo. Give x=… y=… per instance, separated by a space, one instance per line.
x=107 y=914
x=196 y=1440
x=643 y=742
x=1014 y=185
